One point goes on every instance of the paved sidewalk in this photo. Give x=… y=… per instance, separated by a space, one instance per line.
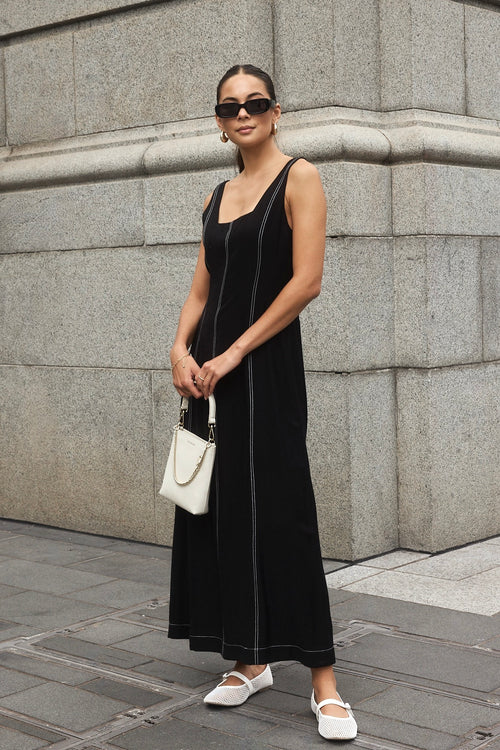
x=85 y=662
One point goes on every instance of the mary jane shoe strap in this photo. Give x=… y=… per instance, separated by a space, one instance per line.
x=242 y=677
x=332 y=701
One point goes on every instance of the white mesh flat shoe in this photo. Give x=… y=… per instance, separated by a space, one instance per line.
x=333 y=727
x=235 y=695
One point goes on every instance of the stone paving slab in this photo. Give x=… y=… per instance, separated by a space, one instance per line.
x=120 y=594
x=233 y=722
x=17 y=631
x=65 y=706
x=108 y=632
x=457 y=564
x=420 y=619
x=48 y=550
x=179 y=674
x=9 y=590
x=141 y=549
x=23 y=728
x=291 y=738
x=418 y=676
x=432 y=685
x=129 y=567
x=64 y=535
x=14 y=682
x=94 y=652
x=50 y=579
x=180 y=734
x=465 y=668
x=479 y=593
x=158 y=646
x=398 y=730
x=41 y=668
x=151 y=621
x=121 y=691
x=396 y=559
x=46 y=611
x=437 y=712
x=12 y=740
x=158 y=612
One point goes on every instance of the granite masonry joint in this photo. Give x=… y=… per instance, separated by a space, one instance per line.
x=72 y=21
x=330 y=134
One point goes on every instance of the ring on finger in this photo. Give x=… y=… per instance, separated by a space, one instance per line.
x=199 y=376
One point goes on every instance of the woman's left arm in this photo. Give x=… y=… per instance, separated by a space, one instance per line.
x=306 y=210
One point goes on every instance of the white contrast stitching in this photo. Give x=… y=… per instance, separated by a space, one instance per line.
x=251 y=408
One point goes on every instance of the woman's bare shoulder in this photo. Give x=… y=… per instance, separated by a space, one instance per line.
x=303 y=176
x=303 y=170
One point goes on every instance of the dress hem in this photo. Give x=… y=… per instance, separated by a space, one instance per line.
x=248 y=655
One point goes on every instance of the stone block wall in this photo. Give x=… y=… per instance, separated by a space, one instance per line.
x=108 y=148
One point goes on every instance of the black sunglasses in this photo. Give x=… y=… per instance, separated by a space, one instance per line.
x=252 y=106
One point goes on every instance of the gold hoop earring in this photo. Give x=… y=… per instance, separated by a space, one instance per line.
x=274 y=129
x=224 y=136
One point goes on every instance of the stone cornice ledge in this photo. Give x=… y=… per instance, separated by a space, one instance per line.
x=328 y=134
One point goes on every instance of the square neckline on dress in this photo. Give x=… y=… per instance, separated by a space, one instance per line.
x=248 y=213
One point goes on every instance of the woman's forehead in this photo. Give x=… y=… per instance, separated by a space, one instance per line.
x=242 y=85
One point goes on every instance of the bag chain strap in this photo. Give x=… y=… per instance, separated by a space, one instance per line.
x=210 y=440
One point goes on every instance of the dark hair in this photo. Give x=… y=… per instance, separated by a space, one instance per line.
x=249 y=70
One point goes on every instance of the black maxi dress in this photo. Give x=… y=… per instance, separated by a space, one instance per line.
x=247 y=578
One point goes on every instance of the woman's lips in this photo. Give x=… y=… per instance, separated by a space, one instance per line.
x=246 y=129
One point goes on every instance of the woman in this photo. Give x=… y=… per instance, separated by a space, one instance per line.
x=247 y=578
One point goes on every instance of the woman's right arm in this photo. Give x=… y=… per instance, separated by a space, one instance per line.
x=185 y=371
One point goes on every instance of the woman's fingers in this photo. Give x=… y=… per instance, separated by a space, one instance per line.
x=185 y=379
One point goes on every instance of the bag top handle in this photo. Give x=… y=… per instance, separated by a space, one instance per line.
x=211 y=407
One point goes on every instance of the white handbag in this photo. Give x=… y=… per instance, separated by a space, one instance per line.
x=187 y=477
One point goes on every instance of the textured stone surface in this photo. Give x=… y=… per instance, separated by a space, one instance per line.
x=76 y=449
x=437 y=290
x=448 y=438
x=43 y=577
x=45 y=669
x=358 y=198
x=95 y=308
x=305 y=79
x=490 y=279
x=338 y=61
x=459 y=595
x=68 y=707
x=416 y=56
x=21 y=15
x=128 y=693
x=121 y=593
x=450 y=664
x=458 y=564
x=164 y=76
x=173 y=205
x=38 y=74
x=426 y=710
x=11 y=739
x=482 y=52
x=15 y=682
x=2 y=99
x=418 y=619
x=351 y=441
x=350 y=326
x=444 y=199
x=44 y=611
x=108 y=214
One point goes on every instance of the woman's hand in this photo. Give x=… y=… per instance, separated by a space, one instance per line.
x=213 y=370
x=184 y=376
